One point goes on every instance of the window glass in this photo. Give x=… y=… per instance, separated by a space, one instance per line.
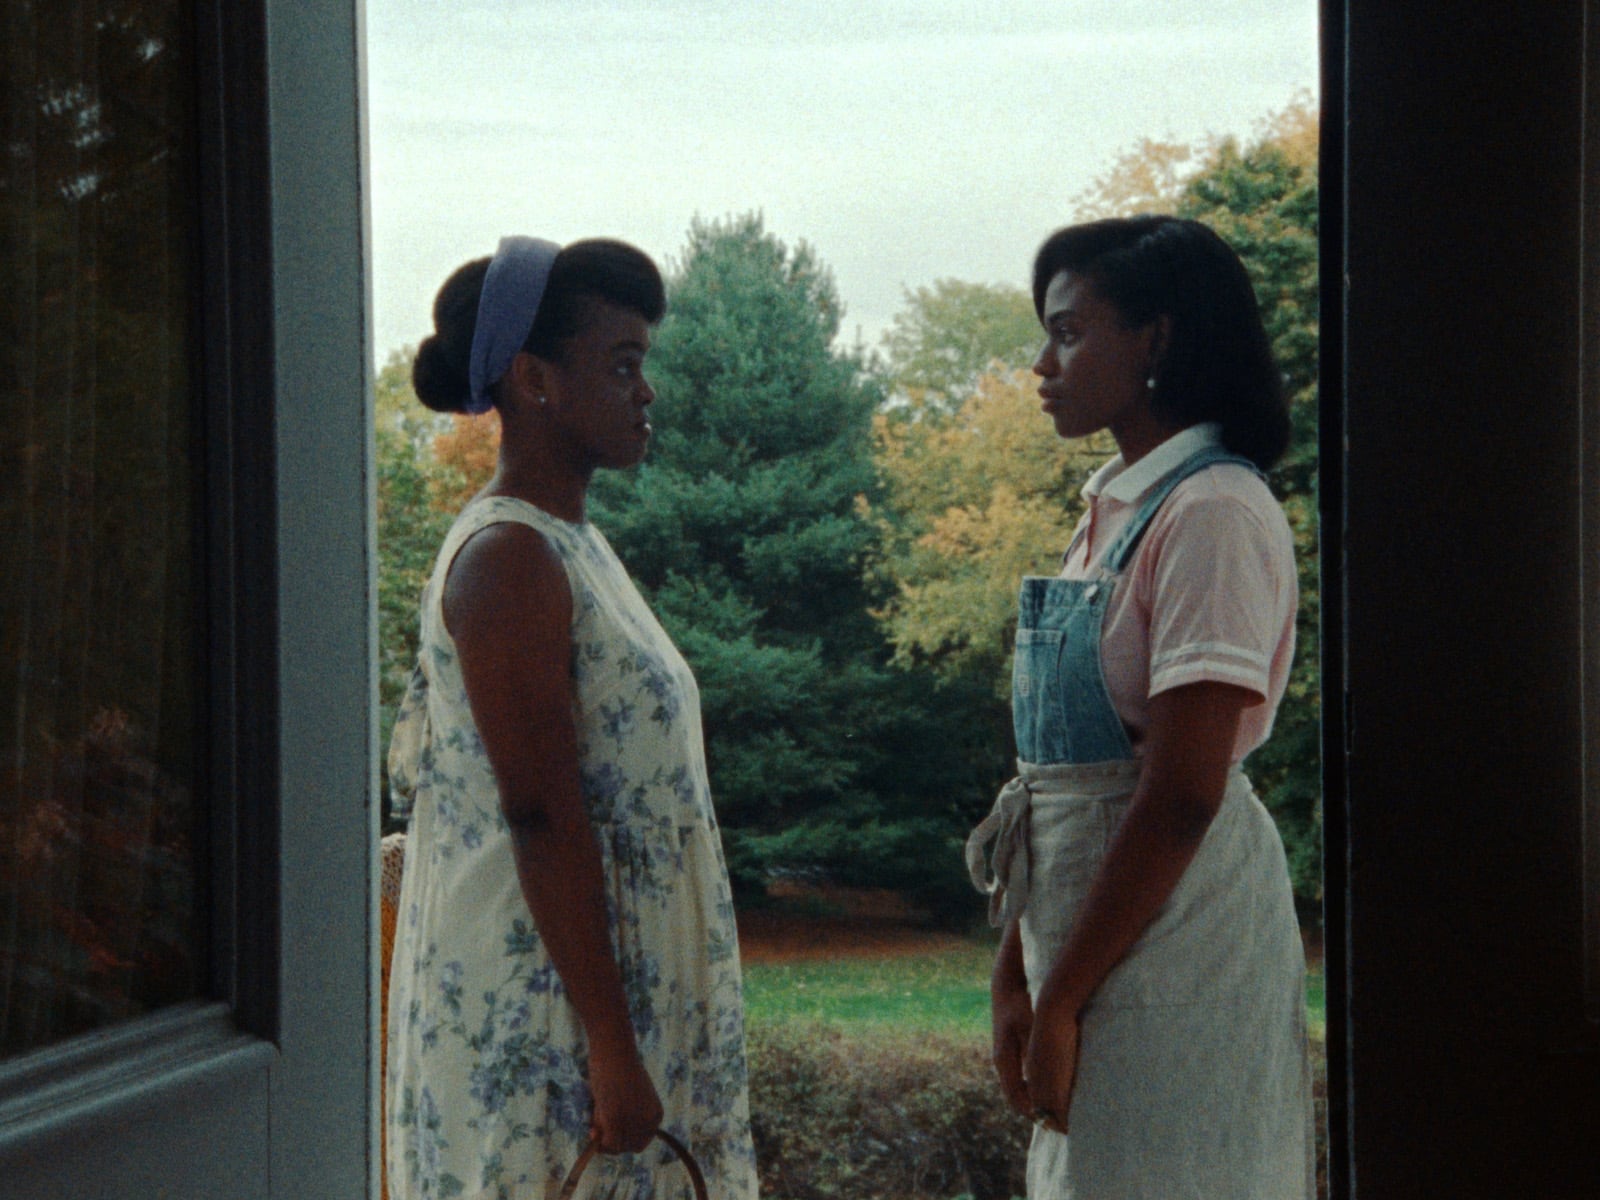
x=98 y=616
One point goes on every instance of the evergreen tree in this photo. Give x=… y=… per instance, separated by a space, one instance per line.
x=746 y=528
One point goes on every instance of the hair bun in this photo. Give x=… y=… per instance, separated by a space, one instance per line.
x=439 y=378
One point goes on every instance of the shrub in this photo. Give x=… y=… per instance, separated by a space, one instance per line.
x=882 y=1115
x=887 y=1115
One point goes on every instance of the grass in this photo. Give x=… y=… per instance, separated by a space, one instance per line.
x=945 y=993
x=1317 y=1004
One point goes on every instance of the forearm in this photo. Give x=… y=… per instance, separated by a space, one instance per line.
x=1152 y=848
x=1011 y=1018
x=1187 y=763
x=1009 y=972
x=559 y=870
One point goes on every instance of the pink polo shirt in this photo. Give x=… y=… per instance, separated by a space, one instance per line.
x=1210 y=593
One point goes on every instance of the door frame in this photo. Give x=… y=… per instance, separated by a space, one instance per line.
x=266 y=1087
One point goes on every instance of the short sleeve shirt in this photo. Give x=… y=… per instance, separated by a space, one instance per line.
x=1210 y=593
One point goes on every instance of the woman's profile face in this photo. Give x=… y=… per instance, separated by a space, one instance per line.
x=1093 y=366
x=598 y=394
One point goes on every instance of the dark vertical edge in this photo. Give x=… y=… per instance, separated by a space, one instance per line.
x=1589 y=505
x=1331 y=530
x=252 y=401
x=213 y=725
x=214 y=504
x=237 y=502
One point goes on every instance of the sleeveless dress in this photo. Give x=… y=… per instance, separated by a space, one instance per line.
x=1193 y=1077
x=487 y=1061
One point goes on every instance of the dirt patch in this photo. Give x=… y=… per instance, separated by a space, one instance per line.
x=1311 y=938
x=808 y=923
x=766 y=937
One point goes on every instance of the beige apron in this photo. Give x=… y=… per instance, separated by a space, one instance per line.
x=1193 y=1078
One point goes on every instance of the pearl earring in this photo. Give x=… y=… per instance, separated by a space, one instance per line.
x=1151 y=383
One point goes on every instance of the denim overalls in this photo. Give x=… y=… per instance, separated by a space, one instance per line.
x=1059 y=703
x=1193 y=1077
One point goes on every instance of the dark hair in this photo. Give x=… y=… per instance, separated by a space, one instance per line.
x=1217 y=364
x=586 y=271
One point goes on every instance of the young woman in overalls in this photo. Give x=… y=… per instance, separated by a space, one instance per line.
x=1148 y=994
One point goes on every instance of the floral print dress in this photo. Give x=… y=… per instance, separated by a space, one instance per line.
x=487 y=1061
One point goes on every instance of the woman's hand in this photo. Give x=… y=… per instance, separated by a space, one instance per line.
x=1051 y=1068
x=1011 y=1014
x=627 y=1110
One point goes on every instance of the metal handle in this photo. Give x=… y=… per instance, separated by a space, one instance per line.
x=696 y=1179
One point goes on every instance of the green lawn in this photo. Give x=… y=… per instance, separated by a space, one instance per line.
x=947 y=992
x=1317 y=1004
x=941 y=993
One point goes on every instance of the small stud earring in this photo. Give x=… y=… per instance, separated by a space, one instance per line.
x=540 y=399
x=1151 y=383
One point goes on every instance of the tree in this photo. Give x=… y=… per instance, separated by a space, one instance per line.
x=411 y=525
x=466 y=450
x=977 y=494
x=747 y=529
x=1156 y=176
x=969 y=503
x=1148 y=178
x=1262 y=199
x=972 y=502
x=949 y=334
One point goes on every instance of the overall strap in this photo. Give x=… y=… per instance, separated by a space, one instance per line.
x=1121 y=552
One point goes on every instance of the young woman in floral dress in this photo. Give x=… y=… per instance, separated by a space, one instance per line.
x=566 y=963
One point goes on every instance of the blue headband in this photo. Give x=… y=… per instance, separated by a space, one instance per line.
x=507 y=305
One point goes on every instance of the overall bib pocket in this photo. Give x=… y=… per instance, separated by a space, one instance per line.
x=1059 y=704
x=1036 y=691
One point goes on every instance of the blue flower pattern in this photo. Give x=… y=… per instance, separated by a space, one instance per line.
x=487 y=1066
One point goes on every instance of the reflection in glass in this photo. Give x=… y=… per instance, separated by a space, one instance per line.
x=98 y=623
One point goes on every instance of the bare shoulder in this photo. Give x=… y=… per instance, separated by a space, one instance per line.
x=506 y=581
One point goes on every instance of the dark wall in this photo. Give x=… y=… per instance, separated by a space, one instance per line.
x=1470 y=1067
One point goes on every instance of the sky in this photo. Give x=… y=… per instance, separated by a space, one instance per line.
x=904 y=140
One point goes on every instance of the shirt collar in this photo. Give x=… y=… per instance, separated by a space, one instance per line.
x=1125 y=484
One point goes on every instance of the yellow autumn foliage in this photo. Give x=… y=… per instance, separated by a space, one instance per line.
x=973 y=500
x=1153 y=174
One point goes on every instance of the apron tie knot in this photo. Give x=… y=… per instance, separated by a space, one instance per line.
x=1007 y=827
x=410 y=746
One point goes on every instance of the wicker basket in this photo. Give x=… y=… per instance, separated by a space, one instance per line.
x=697 y=1180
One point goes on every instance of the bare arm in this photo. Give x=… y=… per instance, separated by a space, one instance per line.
x=508 y=607
x=1011 y=1018
x=1189 y=746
